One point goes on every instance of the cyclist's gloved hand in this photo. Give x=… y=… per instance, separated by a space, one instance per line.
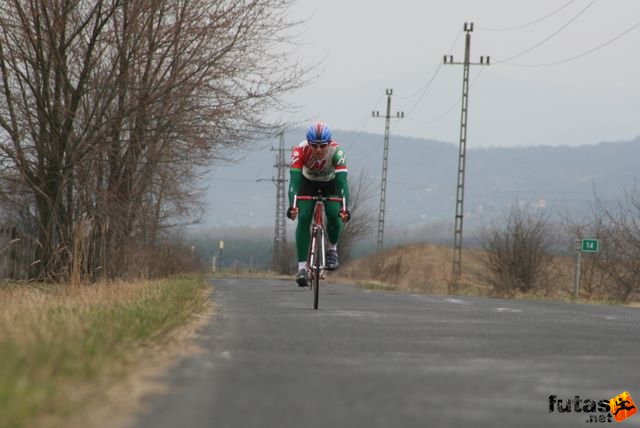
x=292 y=213
x=346 y=215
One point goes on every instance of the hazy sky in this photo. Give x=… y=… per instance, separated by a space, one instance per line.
x=532 y=94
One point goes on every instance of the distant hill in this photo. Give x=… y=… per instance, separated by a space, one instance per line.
x=422 y=178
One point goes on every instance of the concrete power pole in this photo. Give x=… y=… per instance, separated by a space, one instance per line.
x=280 y=232
x=457 y=240
x=383 y=186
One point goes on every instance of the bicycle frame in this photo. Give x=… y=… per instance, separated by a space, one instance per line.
x=316 y=257
x=316 y=261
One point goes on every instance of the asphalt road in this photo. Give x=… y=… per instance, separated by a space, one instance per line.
x=382 y=359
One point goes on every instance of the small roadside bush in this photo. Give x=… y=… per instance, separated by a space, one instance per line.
x=517 y=253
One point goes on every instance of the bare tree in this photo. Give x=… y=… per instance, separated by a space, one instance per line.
x=614 y=271
x=619 y=258
x=517 y=252
x=363 y=217
x=111 y=109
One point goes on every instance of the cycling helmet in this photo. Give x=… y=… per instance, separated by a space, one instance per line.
x=318 y=133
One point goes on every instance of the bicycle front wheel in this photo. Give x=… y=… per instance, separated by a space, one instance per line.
x=317 y=268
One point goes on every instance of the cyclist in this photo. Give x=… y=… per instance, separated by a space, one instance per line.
x=318 y=163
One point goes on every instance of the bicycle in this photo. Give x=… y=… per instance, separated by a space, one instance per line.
x=316 y=257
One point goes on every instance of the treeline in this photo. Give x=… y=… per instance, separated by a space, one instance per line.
x=242 y=248
x=110 y=110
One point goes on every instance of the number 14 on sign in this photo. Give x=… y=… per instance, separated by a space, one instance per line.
x=590 y=245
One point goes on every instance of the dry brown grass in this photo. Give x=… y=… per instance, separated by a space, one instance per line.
x=27 y=309
x=61 y=347
x=414 y=268
x=425 y=268
x=119 y=394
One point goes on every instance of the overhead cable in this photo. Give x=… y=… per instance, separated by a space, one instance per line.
x=428 y=85
x=562 y=61
x=518 y=27
x=446 y=112
x=546 y=39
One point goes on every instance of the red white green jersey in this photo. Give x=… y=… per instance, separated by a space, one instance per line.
x=315 y=168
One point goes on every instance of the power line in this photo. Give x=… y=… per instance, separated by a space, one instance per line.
x=585 y=53
x=548 y=37
x=423 y=89
x=238 y=180
x=428 y=85
x=426 y=88
x=363 y=125
x=519 y=27
x=450 y=109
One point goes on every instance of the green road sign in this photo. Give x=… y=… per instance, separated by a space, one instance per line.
x=590 y=245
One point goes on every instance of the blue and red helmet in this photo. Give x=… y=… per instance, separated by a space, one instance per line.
x=319 y=133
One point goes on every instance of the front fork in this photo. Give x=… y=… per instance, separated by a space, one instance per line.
x=317 y=260
x=323 y=252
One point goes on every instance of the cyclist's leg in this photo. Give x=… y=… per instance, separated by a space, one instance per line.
x=332 y=210
x=303 y=236
x=305 y=215
x=334 y=222
x=334 y=229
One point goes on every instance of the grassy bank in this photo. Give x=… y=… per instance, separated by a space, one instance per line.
x=58 y=339
x=424 y=268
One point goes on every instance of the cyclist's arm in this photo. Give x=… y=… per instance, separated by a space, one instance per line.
x=342 y=185
x=295 y=175
x=340 y=164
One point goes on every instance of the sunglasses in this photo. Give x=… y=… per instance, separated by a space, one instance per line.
x=318 y=143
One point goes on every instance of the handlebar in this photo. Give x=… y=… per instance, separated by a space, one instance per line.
x=296 y=198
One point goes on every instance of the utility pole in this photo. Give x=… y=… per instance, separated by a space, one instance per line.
x=457 y=239
x=383 y=186
x=280 y=230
